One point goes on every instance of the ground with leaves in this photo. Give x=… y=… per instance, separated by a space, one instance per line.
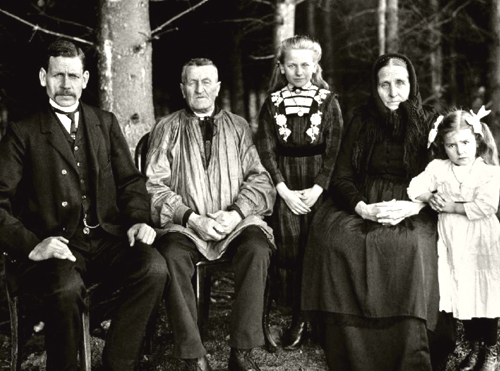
x=309 y=358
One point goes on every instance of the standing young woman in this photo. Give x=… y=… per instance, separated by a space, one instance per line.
x=300 y=128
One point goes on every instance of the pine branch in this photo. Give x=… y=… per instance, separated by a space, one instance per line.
x=38 y=28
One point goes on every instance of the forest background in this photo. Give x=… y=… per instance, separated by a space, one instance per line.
x=135 y=50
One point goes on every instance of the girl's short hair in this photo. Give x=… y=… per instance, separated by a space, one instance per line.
x=297 y=42
x=456 y=120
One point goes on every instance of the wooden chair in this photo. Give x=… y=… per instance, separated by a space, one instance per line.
x=205 y=269
x=14 y=301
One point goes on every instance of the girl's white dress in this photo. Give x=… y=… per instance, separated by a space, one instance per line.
x=468 y=245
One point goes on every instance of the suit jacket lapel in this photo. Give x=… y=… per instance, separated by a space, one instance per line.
x=51 y=126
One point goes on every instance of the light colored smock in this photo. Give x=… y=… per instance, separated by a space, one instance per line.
x=179 y=180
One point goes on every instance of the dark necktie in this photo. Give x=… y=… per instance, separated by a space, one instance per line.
x=207 y=133
x=71 y=116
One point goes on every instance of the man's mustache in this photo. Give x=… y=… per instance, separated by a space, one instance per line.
x=66 y=93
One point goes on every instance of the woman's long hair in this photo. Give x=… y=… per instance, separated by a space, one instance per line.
x=456 y=120
x=297 y=42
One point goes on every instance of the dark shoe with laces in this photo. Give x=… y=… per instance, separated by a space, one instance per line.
x=197 y=364
x=472 y=359
x=240 y=360
x=295 y=335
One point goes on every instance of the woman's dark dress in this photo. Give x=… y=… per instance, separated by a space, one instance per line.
x=377 y=284
x=300 y=159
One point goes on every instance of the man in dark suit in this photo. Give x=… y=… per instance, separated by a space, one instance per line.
x=73 y=205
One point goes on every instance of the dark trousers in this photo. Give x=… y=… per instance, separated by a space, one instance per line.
x=140 y=274
x=481 y=329
x=251 y=254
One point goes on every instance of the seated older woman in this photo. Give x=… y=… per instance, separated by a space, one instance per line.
x=370 y=269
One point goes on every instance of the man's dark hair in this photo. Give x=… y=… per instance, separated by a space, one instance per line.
x=63 y=48
x=198 y=62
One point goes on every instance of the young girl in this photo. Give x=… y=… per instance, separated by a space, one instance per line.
x=300 y=128
x=462 y=184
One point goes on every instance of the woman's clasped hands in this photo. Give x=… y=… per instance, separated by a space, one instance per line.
x=388 y=212
x=301 y=201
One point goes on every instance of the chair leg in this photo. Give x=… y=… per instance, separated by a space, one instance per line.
x=203 y=287
x=270 y=342
x=15 y=359
x=85 y=347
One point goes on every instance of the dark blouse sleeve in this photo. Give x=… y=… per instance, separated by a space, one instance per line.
x=333 y=136
x=266 y=142
x=344 y=182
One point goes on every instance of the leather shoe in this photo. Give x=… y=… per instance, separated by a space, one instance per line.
x=295 y=335
x=240 y=360
x=197 y=364
x=270 y=340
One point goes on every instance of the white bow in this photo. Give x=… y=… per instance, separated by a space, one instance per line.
x=475 y=120
x=434 y=131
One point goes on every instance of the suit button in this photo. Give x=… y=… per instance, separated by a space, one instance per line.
x=64 y=229
x=76 y=148
x=64 y=203
x=64 y=172
x=78 y=164
x=84 y=197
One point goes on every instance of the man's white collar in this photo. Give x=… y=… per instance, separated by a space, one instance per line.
x=65 y=109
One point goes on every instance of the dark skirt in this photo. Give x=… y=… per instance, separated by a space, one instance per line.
x=399 y=345
x=367 y=274
x=290 y=230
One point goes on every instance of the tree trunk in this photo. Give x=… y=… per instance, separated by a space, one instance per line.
x=237 y=82
x=311 y=19
x=382 y=6
x=285 y=21
x=125 y=65
x=495 y=70
x=253 y=110
x=452 y=74
x=328 y=59
x=392 y=26
x=436 y=57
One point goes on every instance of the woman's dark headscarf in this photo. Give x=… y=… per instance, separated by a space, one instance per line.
x=407 y=122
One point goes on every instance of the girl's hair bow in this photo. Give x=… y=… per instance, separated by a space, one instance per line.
x=434 y=131
x=475 y=120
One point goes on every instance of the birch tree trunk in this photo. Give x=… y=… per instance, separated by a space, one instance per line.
x=285 y=21
x=392 y=26
x=495 y=70
x=382 y=7
x=436 y=57
x=125 y=65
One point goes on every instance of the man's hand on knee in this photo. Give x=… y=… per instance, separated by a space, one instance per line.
x=52 y=247
x=142 y=233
